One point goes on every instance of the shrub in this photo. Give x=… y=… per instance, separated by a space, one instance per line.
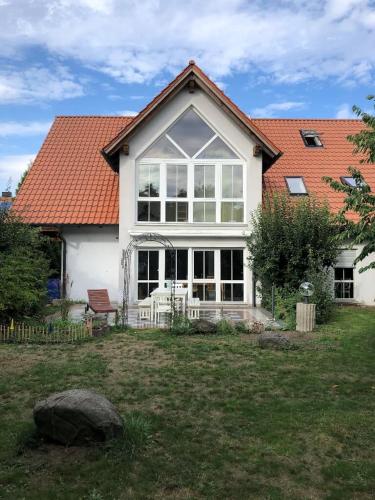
x=225 y=327
x=293 y=241
x=285 y=306
x=181 y=325
x=24 y=269
x=286 y=299
x=241 y=327
x=323 y=294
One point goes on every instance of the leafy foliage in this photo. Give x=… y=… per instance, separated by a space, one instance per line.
x=359 y=199
x=181 y=325
x=288 y=237
x=293 y=240
x=23 y=269
x=364 y=141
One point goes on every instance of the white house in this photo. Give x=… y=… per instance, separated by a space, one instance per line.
x=190 y=167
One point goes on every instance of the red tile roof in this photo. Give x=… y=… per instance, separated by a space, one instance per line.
x=332 y=160
x=70 y=182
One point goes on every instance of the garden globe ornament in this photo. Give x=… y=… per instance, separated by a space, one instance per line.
x=306 y=289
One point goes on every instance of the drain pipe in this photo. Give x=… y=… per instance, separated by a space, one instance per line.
x=63 y=267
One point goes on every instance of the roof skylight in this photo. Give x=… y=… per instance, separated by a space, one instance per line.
x=311 y=139
x=296 y=185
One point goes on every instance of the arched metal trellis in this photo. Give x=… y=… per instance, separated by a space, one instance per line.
x=126 y=265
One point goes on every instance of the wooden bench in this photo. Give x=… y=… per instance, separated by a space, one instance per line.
x=99 y=302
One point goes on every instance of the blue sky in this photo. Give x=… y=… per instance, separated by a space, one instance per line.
x=286 y=58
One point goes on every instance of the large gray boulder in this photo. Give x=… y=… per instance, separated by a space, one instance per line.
x=273 y=340
x=77 y=416
x=203 y=327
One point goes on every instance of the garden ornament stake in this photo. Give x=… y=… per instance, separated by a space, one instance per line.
x=306 y=289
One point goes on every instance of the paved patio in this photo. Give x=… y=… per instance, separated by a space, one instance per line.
x=238 y=313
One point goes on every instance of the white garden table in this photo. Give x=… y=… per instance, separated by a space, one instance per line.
x=179 y=294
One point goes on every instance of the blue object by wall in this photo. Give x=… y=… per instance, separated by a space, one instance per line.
x=53 y=288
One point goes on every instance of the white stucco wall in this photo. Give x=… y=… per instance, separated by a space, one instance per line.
x=92 y=260
x=192 y=235
x=364 y=283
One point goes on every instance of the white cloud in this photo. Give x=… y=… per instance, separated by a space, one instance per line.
x=37 y=84
x=28 y=128
x=345 y=111
x=127 y=112
x=12 y=167
x=270 y=110
x=288 y=41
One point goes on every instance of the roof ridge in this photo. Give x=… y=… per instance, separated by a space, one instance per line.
x=308 y=119
x=94 y=116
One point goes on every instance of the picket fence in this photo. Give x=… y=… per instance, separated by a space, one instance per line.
x=20 y=333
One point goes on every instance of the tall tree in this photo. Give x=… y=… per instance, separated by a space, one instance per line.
x=359 y=198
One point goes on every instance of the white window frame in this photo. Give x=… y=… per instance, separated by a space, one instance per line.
x=190 y=162
x=148 y=269
x=218 y=199
x=233 y=281
x=148 y=198
x=343 y=281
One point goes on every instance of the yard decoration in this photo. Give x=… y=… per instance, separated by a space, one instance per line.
x=305 y=312
x=77 y=416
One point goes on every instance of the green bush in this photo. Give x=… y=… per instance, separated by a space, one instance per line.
x=293 y=241
x=24 y=269
x=287 y=298
x=241 y=327
x=181 y=325
x=225 y=327
x=285 y=306
x=323 y=295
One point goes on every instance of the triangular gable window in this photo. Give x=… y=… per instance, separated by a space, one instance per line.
x=217 y=149
x=190 y=137
x=191 y=133
x=163 y=148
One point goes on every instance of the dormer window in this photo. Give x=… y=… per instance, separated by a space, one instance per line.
x=296 y=186
x=311 y=139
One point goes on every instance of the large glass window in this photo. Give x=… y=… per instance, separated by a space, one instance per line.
x=232 y=183
x=149 y=181
x=176 y=181
x=204 y=270
x=148 y=272
x=190 y=132
x=231 y=275
x=217 y=149
x=204 y=181
x=344 y=283
x=148 y=187
x=176 y=265
x=182 y=176
x=176 y=211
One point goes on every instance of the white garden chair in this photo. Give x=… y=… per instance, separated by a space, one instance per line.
x=193 y=308
x=163 y=305
x=144 y=309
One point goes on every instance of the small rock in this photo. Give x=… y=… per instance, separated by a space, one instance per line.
x=77 y=416
x=273 y=340
x=203 y=326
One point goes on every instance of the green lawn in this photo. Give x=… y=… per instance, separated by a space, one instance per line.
x=225 y=419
